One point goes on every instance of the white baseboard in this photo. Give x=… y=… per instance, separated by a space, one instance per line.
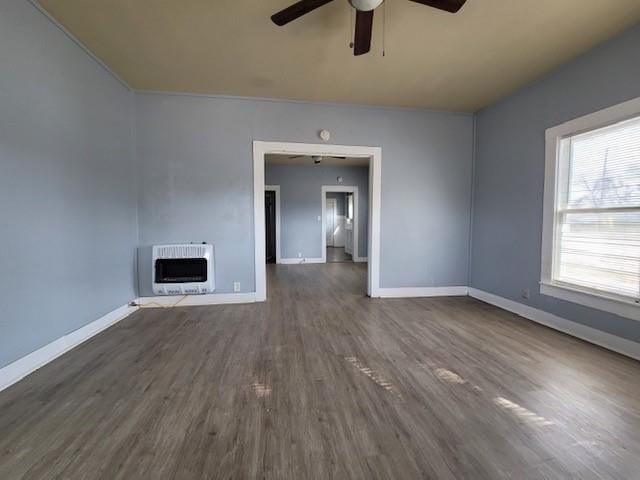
x=22 y=367
x=407 y=292
x=300 y=261
x=588 y=334
x=195 y=300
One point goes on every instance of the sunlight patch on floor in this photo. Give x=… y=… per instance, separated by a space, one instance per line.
x=375 y=377
x=449 y=376
x=519 y=411
x=261 y=390
x=522 y=413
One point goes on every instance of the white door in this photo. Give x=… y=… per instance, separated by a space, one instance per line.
x=330 y=220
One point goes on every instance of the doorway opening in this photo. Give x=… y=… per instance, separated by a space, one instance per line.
x=272 y=223
x=336 y=250
x=264 y=212
x=341 y=224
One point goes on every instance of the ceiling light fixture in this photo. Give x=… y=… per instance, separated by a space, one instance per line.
x=365 y=5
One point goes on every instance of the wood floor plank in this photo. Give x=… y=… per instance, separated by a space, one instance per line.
x=322 y=382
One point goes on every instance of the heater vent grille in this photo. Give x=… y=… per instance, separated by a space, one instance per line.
x=183 y=251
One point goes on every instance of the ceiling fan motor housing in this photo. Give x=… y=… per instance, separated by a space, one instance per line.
x=365 y=5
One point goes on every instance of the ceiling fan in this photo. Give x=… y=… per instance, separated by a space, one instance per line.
x=364 y=16
x=317 y=159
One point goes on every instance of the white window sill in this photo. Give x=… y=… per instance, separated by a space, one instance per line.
x=600 y=301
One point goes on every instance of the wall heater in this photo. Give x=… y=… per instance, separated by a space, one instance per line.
x=183 y=269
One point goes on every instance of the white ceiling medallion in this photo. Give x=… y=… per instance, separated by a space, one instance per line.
x=365 y=5
x=325 y=135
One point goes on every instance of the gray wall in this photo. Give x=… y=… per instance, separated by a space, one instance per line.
x=195 y=159
x=67 y=202
x=509 y=174
x=300 y=205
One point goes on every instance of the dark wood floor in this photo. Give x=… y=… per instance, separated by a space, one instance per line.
x=322 y=382
x=338 y=255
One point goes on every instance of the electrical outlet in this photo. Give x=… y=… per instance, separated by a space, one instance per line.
x=236 y=287
x=526 y=294
x=319 y=218
x=299 y=254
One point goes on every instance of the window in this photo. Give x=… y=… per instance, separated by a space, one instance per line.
x=591 y=240
x=349 y=197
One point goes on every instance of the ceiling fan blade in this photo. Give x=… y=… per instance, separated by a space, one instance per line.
x=364 y=29
x=297 y=10
x=296 y=156
x=451 y=6
x=339 y=158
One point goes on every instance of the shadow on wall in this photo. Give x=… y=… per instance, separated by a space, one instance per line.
x=144 y=271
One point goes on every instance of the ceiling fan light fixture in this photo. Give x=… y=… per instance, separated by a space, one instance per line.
x=364 y=17
x=365 y=5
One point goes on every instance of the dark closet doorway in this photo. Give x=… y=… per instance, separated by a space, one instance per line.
x=270 y=224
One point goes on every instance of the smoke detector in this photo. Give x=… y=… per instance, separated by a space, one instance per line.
x=325 y=135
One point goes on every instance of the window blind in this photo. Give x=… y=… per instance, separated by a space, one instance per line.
x=597 y=244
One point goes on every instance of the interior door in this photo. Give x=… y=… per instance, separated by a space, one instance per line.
x=270 y=225
x=330 y=220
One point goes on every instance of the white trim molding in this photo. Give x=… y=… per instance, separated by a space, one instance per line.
x=554 y=173
x=360 y=259
x=260 y=266
x=170 y=301
x=598 y=300
x=588 y=334
x=301 y=261
x=356 y=221
x=276 y=188
x=415 y=292
x=261 y=148
x=16 y=371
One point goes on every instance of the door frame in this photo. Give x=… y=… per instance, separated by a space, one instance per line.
x=356 y=224
x=276 y=189
x=374 y=154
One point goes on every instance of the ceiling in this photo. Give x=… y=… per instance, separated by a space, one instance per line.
x=434 y=59
x=305 y=160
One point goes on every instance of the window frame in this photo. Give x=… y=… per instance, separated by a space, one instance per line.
x=609 y=302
